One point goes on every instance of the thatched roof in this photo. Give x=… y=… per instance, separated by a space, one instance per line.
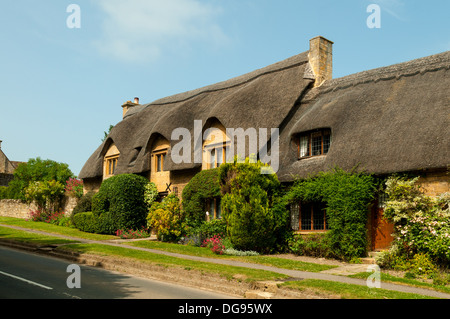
x=386 y=120
x=262 y=98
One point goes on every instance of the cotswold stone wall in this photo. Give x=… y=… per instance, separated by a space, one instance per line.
x=18 y=209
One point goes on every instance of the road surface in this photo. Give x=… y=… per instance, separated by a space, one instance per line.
x=24 y=275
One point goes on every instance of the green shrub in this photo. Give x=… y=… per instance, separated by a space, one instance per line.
x=256 y=217
x=84 y=204
x=204 y=185
x=119 y=204
x=197 y=234
x=166 y=219
x=85 y=222
x=314 y=245
x=46 y=194
x=150 y=194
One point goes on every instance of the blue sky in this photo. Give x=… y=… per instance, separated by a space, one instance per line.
x=61 y=88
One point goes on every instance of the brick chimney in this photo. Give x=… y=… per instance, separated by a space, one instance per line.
x=128 y=105
x=321 y=59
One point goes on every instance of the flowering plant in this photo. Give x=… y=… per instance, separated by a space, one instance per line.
x=132 y=234
x=215 y=244
x=74 y=187
x=421 y=222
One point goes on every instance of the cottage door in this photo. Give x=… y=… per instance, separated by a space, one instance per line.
x=381 y=230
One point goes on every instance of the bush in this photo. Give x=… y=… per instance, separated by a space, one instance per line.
x=86 y=222
x=119 y=204
x=150 y=193
x=132 y=234
x=46 y=194
x=123 y=197
x=215 y=244
x=256 y=218
x=314 y=245
x=196 y=235
x=84 y=204
x=204 y=185
x=421 y=222
x=166 y=219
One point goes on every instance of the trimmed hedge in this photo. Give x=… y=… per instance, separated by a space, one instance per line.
x=119 y=204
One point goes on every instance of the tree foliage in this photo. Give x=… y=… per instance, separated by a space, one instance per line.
x=37 y=170
x=252 y=206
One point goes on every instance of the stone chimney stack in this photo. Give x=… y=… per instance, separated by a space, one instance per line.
x=321 y=59
x=129 y=105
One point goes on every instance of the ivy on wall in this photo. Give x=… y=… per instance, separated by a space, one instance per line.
x=204 y=185
x=347 y=196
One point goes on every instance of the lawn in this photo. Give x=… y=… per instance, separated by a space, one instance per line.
x=55 y=229
x=323 y=288
x=205 y=252
x=169 y=261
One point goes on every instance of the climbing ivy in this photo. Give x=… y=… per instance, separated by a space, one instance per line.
x=204 y=185
x=347 y=196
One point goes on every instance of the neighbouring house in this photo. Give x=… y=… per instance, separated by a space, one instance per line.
x=386 y=120
x=7 y=168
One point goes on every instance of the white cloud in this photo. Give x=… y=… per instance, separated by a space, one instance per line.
x=144 y=30
x=394 y=8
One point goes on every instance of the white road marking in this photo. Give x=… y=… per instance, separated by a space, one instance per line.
x=25 y=280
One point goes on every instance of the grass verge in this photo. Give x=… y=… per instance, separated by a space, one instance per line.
x=347 y=291
x=206 y=252
x=55 y=229
x=26 y=237
x=168 y=261
x=404 y=281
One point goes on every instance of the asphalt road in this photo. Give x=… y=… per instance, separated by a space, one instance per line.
x=25 y=275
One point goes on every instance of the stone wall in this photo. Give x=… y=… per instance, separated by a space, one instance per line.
x=435 y=183
x=18 y=209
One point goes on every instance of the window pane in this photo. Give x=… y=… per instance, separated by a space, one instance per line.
x=163 y=161
x=211 y=208
x=326 y=142
x=212 y=160
x=318 y=215
x=304 y=147
x=158 y=163
x=295 y=214
x=219 y=152
x=218 y=210
x=109 y=167
x=316 y=144
x=114 y=162
x=306 y=217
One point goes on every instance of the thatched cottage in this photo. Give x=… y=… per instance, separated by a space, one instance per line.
x=385 y=120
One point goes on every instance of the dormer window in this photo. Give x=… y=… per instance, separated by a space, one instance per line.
x=110 y=161
x=314 y=143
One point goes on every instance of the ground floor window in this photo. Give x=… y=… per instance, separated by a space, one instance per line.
x=213 y=208
x=308 y=216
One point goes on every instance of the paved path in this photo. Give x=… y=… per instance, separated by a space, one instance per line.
x=291 y=273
